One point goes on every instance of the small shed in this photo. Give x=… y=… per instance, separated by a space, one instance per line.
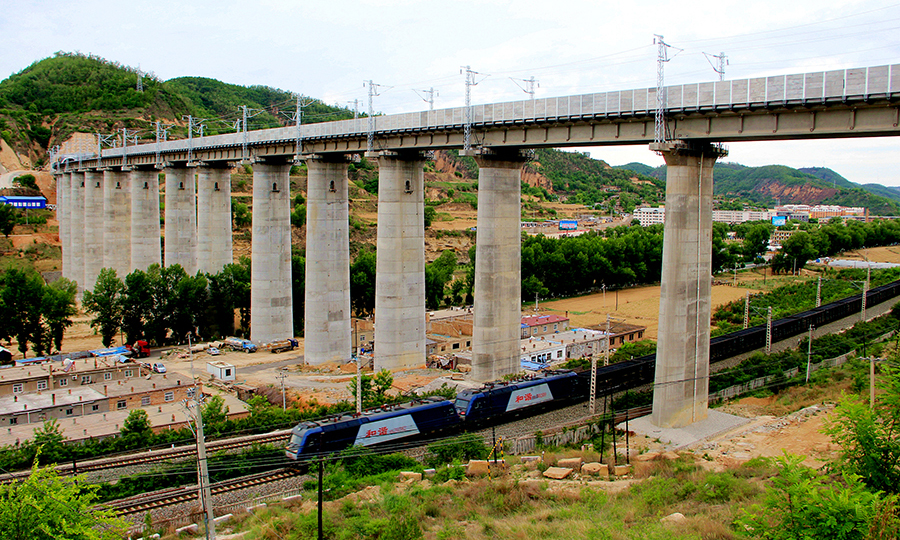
x=220 y=370
x=5 y=356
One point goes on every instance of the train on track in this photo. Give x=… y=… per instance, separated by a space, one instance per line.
x=502 y=401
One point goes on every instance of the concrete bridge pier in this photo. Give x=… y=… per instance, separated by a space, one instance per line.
x=76 y=221
x=271 y=308
x=327 y=306
x=681 y=388
x=214 y=243
x=400 y=270
x=181 y=218
x=63 y=192
x=93 y=227
x=146 y=248
x=498 y=273
x=117 y=221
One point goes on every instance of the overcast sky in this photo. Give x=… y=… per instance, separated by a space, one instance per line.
x=326 y=49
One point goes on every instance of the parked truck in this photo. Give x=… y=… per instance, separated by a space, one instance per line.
x=140 y=349
x=282 y=345
x=240 y=344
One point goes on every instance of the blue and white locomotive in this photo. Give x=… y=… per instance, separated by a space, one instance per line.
x=402 y=422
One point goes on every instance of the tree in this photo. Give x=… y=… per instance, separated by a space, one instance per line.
x=27 y=181
x=437 y=275
x=756 y=239
x=298 y=289
x=362 y=283
x=21 y=297
x=430 y=214
x=136 y=431
x=241 y=214
x=137 y=302
x=105 y=302
x=801 y=504
x=8 y=219
x=870 y=446
x=45 y=506
x=58 y=308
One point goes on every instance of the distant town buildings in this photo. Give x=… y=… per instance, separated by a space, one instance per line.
x=800 y=212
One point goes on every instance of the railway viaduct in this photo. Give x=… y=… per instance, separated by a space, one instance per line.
x=109 y=208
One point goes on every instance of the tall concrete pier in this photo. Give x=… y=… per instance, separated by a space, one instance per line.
x=145 y=230
x=400 y=270
x=327 y=306
x=681 y=388
x=181 y=218
x=117 y=221
x=93 y=227
x=271 y=308
x=76 y=222
x=498 y=273
x=214 y=243
x=63 y=198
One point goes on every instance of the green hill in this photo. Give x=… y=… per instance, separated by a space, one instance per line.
x=49 y=100
x=771 y=184
x=577 y=177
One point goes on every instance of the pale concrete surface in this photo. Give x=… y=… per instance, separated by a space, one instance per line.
x=215 y=247
x=146 y=248
x=400 y=272
x=76 y=228
x=498 y=274
x=327 y=307
x=676 y=438
x=271 y=309
x=181 y=218
x=93 y=227
x=63 y=202
x=682 y=368
x=117 y=222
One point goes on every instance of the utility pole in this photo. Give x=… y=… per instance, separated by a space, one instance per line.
x=530 y=85
x=819 y=293
x=470 y=82
x=719 y=66
x=872 y=382
x=370 y=136
x=358 y=368
x=747 y=310
x=769 y=331
x=246 y=114
x=809 y=354
x=298 y=144
x=281 y=375
x=662 y=56
x=355 y=103
x=430 y=99
x=193 y=406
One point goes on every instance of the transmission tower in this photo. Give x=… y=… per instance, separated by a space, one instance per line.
x=370 y=136
x=470 y=82
x=662 y=56
x=430 y=99
x=247 y=114
x=140 y=80
x=719 y=66
x=530 y=85
x=297 y=117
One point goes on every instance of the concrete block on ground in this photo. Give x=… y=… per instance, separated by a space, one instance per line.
x=223 y=518
x=256 y=508
x=595 y=469
x=408 y=476
x=193 y=528
x=498 y=466
x=557 y=473
x=621 y=470
x=292 y=498
x=429 y=473
x=649 y=456
x=477 y=467
x=570 y=463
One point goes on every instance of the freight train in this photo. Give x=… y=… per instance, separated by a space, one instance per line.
x=501 y=401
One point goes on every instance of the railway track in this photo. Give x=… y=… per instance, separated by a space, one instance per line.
x=186 y=494
x=156 y=456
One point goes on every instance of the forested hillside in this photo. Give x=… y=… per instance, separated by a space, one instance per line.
x=578 y=178
x=45 y=103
